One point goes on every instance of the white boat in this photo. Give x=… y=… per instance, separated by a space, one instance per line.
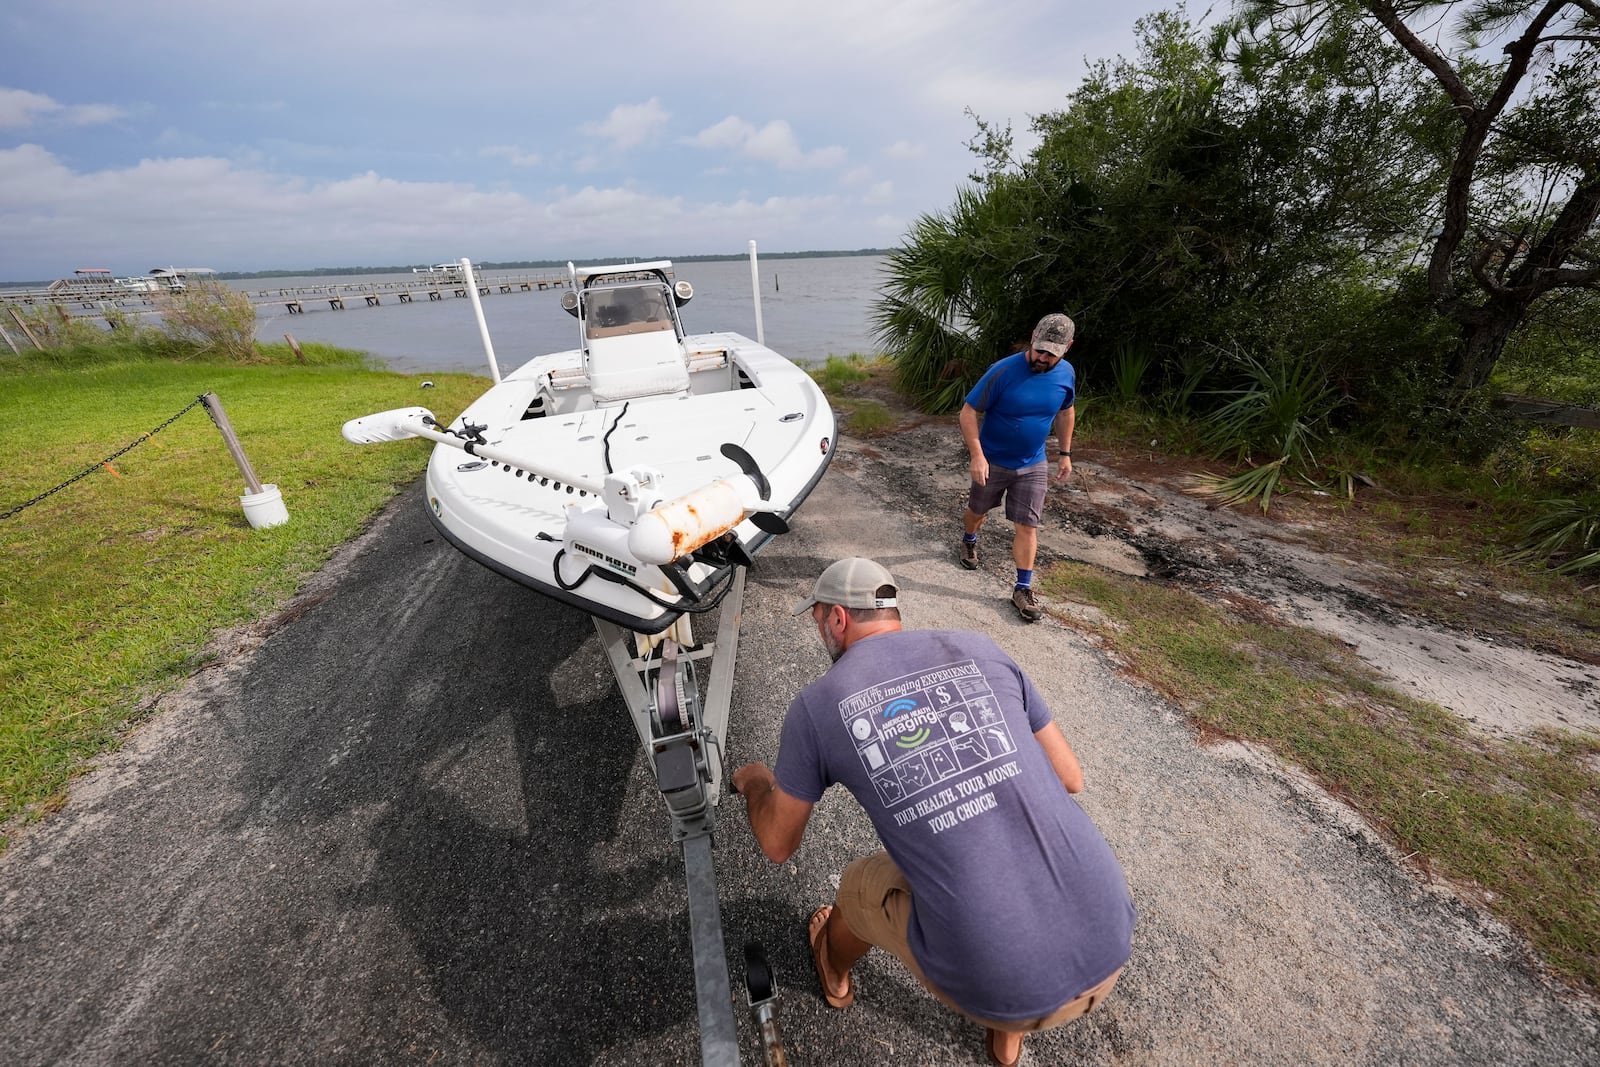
x=99 y=282
x=447 y=274
x=632 y=475
x=175 y=279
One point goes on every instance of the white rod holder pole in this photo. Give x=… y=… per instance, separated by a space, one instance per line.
x=483 y=326
x=755 y=288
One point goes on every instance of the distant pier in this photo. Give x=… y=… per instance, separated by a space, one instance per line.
x=297 y=300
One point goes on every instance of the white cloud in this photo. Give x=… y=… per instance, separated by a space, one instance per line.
x=210 y=212
x=214 y=212
x=630 y=125
x=512 y=154
x=773 y=207
x=92 y=114
x=773 y=143
x=802 y=100
x=589 y=203
x=881 y=193
x=731 y=132
x=20 y=109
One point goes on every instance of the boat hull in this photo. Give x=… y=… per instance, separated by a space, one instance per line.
x=547 y=526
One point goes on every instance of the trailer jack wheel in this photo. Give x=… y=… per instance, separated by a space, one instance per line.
x=762 y=989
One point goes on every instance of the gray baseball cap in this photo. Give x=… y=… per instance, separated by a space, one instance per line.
x=851 y=583
x=1053 y=334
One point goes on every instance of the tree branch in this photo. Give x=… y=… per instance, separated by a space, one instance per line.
x=1575 y=278
x=1476 y=117
x=1575 y=220
x=1480 y=268
x=1423 y=53
x=1520 y=52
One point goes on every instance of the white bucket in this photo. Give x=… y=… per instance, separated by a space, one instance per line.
x=265 y=508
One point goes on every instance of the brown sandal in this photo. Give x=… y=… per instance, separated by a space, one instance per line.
x=816 y=928
x=991 y=1045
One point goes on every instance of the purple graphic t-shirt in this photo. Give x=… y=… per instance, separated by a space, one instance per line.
x=1018 y=903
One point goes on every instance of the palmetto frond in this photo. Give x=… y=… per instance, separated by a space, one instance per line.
x=1565 y=527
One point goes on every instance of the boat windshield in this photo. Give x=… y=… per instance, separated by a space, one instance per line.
x=626 y=309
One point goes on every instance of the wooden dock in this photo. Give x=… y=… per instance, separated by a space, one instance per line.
x=295 y=299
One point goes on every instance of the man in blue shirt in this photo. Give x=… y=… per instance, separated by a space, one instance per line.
x=994 y=888
x=1021 y=399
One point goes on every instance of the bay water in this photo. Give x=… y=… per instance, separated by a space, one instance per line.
x=810 y=309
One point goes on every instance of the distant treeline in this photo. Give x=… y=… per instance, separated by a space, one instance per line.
x=540 y=264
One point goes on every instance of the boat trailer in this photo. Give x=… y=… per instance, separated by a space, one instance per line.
x=682 y=734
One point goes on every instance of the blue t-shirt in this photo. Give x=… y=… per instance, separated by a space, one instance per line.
x=1018 y=904
x=1018 y=407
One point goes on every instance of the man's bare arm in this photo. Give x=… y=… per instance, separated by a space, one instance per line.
x=777 y=819
x=1065 y=421
x=1062 y=758
x=969 y=433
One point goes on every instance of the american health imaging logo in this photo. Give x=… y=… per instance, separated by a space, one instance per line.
x=917 y=733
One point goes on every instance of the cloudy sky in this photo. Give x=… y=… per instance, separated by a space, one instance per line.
x=292 y=135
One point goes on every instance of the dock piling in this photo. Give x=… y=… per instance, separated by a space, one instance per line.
x=26 y=332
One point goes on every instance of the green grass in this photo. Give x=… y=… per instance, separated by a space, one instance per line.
x=113 y=586
x=839 y=372
x=1516 y=823
x=842 y=379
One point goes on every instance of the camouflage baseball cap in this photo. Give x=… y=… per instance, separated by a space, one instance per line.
x=1053 y=334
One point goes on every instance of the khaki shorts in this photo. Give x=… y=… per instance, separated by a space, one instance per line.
x=875 y=901
x=1024 y=491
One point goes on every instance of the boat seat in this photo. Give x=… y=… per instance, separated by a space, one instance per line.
x=626 y=368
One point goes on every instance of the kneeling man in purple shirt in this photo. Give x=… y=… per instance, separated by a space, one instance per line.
x=993 y=887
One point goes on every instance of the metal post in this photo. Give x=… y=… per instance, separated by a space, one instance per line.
x=483 y=325
x=231 y=439
x=755 y=286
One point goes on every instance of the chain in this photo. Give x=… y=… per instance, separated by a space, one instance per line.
x=141 y=439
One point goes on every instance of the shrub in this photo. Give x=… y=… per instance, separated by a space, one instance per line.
x=1565 y=528
x=214 y=317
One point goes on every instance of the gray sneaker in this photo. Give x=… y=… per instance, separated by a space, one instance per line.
x=969 y=554
x=1026 y=603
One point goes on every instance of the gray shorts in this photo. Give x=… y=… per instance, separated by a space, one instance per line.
x=1023 y=491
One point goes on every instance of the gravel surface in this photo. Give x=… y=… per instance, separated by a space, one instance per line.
x=407 y=822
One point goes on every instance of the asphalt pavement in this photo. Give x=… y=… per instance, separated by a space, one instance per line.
x=407 y=821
